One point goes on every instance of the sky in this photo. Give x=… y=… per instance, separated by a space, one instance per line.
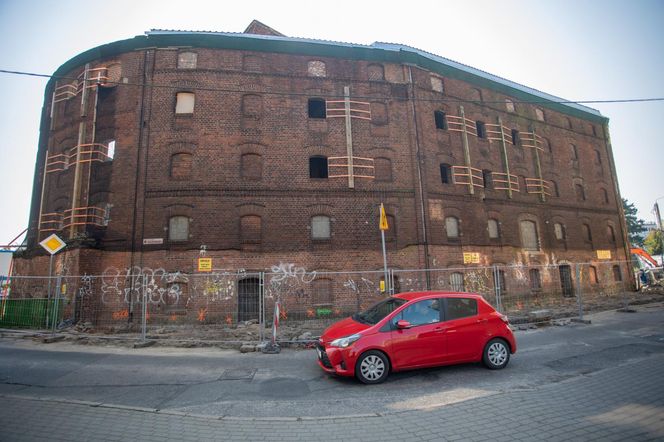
x=575 y=49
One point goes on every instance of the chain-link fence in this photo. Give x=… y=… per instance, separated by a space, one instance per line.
x=235 y=307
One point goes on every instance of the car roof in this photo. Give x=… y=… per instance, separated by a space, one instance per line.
x=409 y=296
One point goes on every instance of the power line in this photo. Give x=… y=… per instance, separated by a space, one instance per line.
x=451 y=100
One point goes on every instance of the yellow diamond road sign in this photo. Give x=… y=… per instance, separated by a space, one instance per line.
x=53 y=244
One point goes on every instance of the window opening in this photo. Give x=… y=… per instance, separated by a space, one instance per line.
x=318 y=167
x=441 y=120
x=317 y=108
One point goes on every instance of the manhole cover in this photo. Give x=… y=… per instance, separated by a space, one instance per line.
x=238 y=374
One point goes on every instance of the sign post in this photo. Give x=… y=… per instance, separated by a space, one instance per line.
x=383 y=227
x=52 y=244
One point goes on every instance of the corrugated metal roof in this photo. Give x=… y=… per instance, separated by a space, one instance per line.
x=391 y=47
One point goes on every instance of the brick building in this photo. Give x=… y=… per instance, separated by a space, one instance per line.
x=264 y=149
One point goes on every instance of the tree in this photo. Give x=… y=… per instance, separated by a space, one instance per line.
x=635 y=226
x=653 y=242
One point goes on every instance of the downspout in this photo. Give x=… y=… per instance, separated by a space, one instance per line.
x=418 y=159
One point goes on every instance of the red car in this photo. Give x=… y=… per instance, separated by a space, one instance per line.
x=416 y=330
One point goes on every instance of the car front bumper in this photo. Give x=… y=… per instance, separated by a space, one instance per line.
x=335 y=360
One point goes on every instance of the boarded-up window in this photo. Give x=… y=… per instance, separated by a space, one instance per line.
x=456 y=282
x=378 y=113
x=559 y=231
x=321 y=291
x=437 y=84
x=509 y=105
x=492 y=227
x=252 y=63
x=250 y=229
x=529 y=237
x=181 y=165
x=383 y=169
x=320 y=227
x=252 y=105
x=539 y=113
x=184 y=103
x=187 y=60
x=452 y=227
x=316 y=68
x=178 y=228
x=376 y=72
x=251 y=166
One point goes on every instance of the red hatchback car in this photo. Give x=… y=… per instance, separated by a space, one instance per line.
x=416 y=330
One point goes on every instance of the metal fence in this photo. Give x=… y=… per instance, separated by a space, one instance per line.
x=236 y=307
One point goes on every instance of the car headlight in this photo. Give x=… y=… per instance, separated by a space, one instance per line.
x=345 y=341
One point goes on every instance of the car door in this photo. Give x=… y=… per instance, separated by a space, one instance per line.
x=422 y=344
x=465 y=330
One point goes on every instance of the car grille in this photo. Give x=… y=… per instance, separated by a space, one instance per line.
x=322 y=356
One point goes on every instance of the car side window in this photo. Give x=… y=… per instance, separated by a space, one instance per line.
x=460 y=308
x=423 y=312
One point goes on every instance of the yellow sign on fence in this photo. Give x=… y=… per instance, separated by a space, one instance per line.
x=204 y=264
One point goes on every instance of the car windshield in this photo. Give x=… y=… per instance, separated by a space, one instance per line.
x=379 y=310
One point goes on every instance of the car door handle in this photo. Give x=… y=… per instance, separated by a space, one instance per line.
x=440 y=329
x=482 y=320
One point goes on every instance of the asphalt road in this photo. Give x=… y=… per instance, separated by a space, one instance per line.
x=215 y=382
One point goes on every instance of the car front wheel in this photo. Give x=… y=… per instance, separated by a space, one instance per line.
x=372 y=367
x=496 y=354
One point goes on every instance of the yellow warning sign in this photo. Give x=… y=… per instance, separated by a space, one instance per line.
x=204 y=264
x=471 y=258
x=604 y=254
x=53 y=244
x=383 y=218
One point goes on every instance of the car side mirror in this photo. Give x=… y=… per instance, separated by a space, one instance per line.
x=401 y=324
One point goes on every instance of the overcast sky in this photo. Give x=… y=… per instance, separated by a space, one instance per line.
x=574 y=49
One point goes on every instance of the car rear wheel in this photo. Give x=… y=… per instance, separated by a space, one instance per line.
x=496 y=354
x=372 y=367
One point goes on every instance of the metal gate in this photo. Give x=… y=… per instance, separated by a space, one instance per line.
x=566 y=283
x=248 y=299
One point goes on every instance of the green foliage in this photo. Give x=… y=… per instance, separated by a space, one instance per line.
x=653 y=242
x=635 y=227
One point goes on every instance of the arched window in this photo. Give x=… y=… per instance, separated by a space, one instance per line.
x=187 y=60
x=574 y=152
x=317 y=108
x=610 y=234
x=181 y=165
x=318 y=167
x=376 y=72
x=382 y=169
x=456 y=282
x=587 y=233
x=559 y=231
x=481 y=129
x=316 y=68
x=617 y=274
x=320 y=227
x=445 y=173
x=535 y=279
x=486 y=177
x=250 y=229
x=580 y=192
x=592 y=274
x=251 y=166
x=598 y=158
x=178 y=228
x=452 y=227
x=529 y=237
x=441 y=120
x=184 y=103
x=492 y=227
x=509 y=105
